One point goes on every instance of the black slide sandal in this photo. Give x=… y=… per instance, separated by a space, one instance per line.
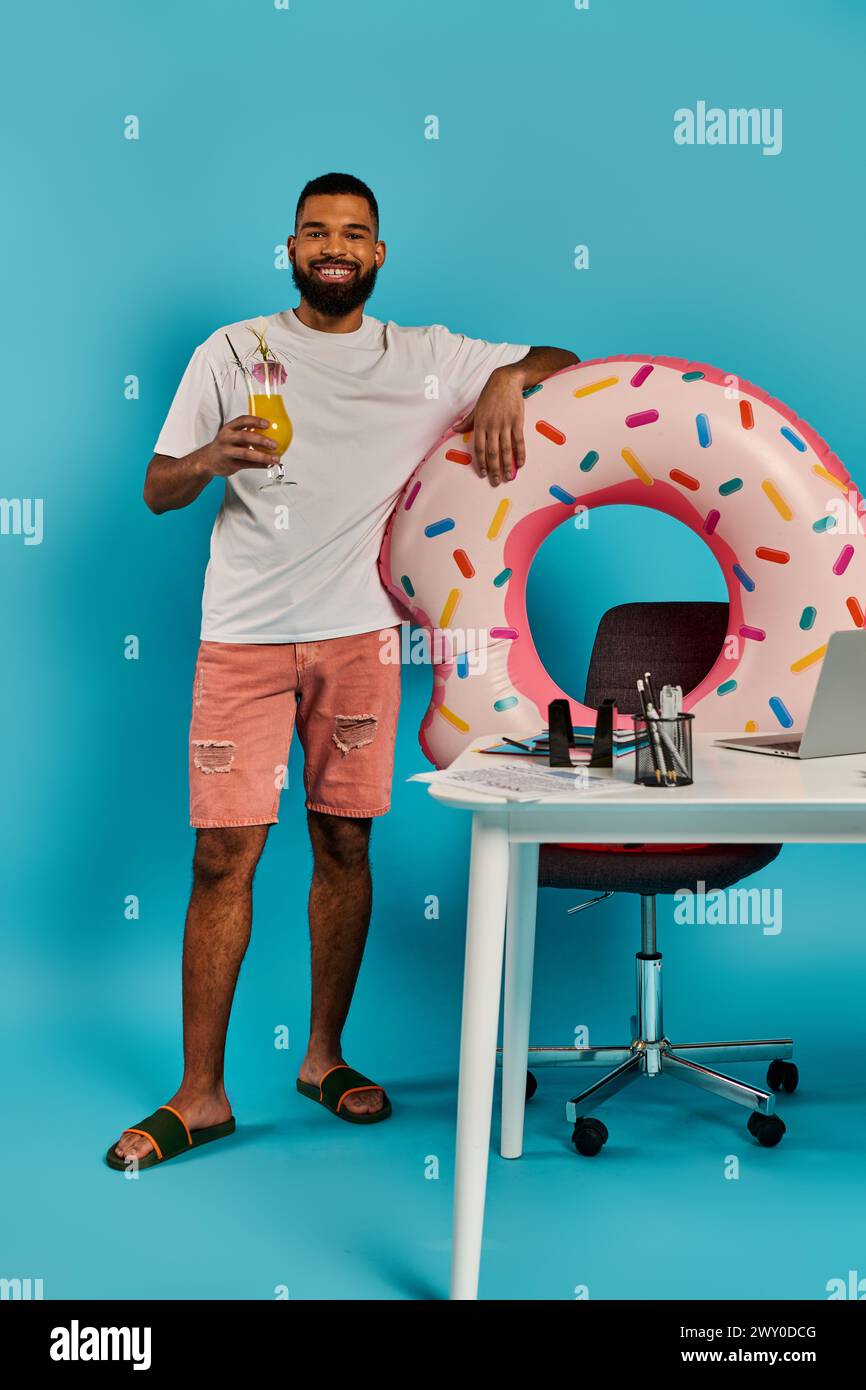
x=168 y=1133
x=339 y=1082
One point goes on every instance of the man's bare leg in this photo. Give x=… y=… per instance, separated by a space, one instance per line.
x=340 y=902
x=216 y=936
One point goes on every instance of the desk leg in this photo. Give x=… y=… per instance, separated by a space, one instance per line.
x=519 y=956
x=482 y=984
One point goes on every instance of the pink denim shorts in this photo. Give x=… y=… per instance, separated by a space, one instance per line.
x=247 y=699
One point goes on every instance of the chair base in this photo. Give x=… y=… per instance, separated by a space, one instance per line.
x=651 y=1053
x=683 y=1061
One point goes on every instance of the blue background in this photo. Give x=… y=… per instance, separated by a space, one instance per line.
x=556 y=129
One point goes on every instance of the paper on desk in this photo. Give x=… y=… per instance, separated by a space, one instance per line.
x=521 y=782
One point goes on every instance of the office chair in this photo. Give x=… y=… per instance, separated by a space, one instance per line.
x=678 y=643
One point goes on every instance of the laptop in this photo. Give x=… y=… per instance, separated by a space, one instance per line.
x=836 y=722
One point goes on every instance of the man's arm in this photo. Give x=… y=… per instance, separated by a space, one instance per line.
x=171 y=483
x=497 y=418
x=175 y=482
x=539 y=363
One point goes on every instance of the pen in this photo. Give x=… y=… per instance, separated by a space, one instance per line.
x=668 y=741
x=669 y=702
x=653 y=732
x=671 y=708
x=653 y=710
x=659 y=734
x=651 y=690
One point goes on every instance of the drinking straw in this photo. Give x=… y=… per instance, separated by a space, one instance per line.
x=241 y=366
x=234 y=354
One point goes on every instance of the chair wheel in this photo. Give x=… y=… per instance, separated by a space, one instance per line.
x=782 y=1076
x=531 y=1085
x=589 y=1137
x=767 y=1129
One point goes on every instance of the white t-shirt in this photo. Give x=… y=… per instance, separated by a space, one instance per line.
x=363 y=418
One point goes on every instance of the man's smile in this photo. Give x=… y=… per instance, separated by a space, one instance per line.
x=334 y=273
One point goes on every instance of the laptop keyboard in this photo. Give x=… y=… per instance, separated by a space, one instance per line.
x=792 y=746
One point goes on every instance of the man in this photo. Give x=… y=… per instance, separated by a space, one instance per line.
x=293 y=609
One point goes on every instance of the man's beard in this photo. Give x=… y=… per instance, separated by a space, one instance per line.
x=338 y=299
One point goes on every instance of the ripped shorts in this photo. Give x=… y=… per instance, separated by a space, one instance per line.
x=248 y=698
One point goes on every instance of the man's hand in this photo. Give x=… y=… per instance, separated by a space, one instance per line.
x=497 y=421
x=175 y=482
x=237 y=446
x=498 y=413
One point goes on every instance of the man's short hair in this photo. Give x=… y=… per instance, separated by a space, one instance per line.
x=339 y=183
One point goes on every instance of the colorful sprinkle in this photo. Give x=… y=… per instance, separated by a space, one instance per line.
x=637 y=467
x=561 y=495
x=412 y=495
x=747 y=418
x=693 y=376
x=464 y=564
x=711 y=521
x=807 y=618
x=809 y=660
x=641 y=374
x=588 y=462
x=776 y=557
x=463 y=665
x=684 y=479
x=507 y=702
x=438 y=528
x=779 y=709
x=778 y=501
x=824 y=523
x=502 y=578
x=453 y=718
x=745 y=579
x=498 y=517
x=705 y=437
x=829 y=477
x=550 y=432
x=757 y=634
x=792 y=438
x=732 y=485
x=507 y=632
x=641 y=417
x=751 y=726
x=451 y=603
x=843 y=559
x=457 y=456
x=408 y=585
x=531 y=390
x=856 y=611
x=596 y=386
x=726 y=687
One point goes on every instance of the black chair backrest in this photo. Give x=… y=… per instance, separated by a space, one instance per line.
x=677 y=642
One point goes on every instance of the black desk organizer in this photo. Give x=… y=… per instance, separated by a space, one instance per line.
x=561 y=734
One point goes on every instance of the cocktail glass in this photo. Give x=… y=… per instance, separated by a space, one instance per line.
x=266 y=401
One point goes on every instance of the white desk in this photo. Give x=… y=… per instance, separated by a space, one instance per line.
x=737 y=798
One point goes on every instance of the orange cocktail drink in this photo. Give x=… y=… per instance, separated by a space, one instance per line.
x=273 y=408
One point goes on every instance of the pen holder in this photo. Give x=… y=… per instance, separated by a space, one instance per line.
x=663 y=751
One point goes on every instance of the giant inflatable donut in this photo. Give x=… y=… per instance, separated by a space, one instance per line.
x=759 y=486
